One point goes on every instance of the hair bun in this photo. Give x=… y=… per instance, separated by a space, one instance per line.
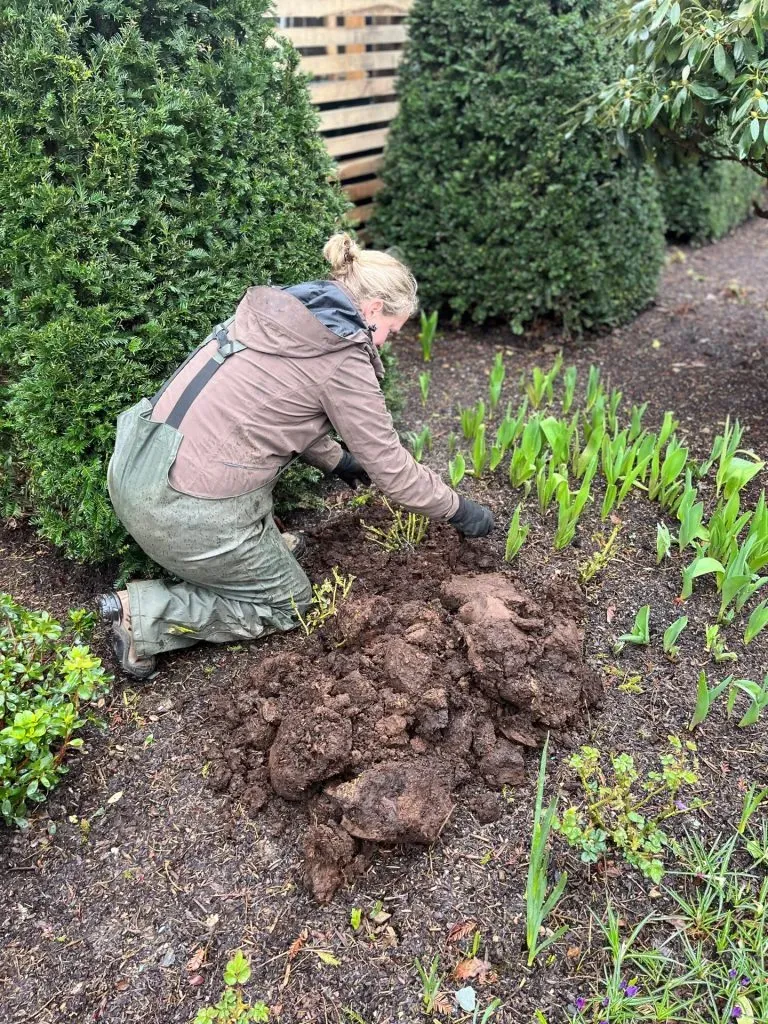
x=342 y=252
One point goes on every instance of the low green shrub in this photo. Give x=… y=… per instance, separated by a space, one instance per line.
x=703 y=201
x=48 y=678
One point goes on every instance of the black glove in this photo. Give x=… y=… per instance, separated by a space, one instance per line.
x=472 y=520
x=351 y=472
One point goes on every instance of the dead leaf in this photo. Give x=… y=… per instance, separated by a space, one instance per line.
x=381 y=918
x=475 y=968
x=195 y=962
x=443 y=1005
x=297 y=945
x=610 y=611
x=654 y=893
x=122 y=984
x=461 y=930
x=573 y=952
x=196 y=980
x=115 y=797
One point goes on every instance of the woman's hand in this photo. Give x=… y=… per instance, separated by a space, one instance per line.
x=351 y=472
x=472 y=519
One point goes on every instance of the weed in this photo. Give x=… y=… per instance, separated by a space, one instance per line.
x=427 y=334
x=325 y=601
x=407 y=530
x=516 y=535
x=600 y=559
x=431 y=980
x=231 y=1008
x=753 y=798
x=538 y=904
x=615 y=812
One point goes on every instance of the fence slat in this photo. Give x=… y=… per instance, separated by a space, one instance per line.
x=326 y=8
x=364 y=189
x=357 y=142
x=341 y=63
x=342 y=35
x=334 y=92
x=358 y=166
x=355 y=117
x=360 y=214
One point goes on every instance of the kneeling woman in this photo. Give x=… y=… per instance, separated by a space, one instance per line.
x=193 y=469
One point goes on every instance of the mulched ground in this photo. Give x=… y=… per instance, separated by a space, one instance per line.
x=104 y=904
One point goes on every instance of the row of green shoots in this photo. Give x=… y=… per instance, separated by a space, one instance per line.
x=562 y=449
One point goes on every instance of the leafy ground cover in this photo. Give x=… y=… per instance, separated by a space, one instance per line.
x=151 y=866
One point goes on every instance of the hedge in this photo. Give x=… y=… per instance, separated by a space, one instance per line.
x=499 y=214
x=704 y=200
x=155 y=160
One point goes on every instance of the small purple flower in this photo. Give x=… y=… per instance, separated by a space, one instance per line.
x=745 y=980
x=736 y=1011
x=681 y=805
x=623 y=986
x=732 y=972
x=605 y=1002
x=631 y=990
x=581 y=1002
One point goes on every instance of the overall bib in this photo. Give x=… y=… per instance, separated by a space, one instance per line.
x=239 y=579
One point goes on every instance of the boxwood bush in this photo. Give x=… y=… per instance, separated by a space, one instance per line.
x=155 y=160
x=705 y=199
x=498 y=213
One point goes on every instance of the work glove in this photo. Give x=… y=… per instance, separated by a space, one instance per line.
x=351 y=472
x=472 y=519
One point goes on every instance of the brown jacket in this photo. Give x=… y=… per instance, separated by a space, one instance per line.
x=280 y=397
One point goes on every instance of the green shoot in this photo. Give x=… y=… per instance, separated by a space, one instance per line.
x=516 y=536
x=231 y=1007
x=758 y=692
x=548 y=480
x=496 y=380
x=690 y=514
x=671 y=636
x=424 y=379
x=758 y=620
x=715 y=645
x=471 y=418
x=705 y=697
x=639 y=634
x=538 y=904
x=453 y=443
x=753 y=798
x=419 y=442
x=540 y=387
x=570 y=505
x=594 y=388
x=598 y=561
x=701 y=566
x=479 y=452
x=636 y=421
x=569 y=380
x=523 y=463
x=733 y=472
x=663 y=542
x=431 y=980
x=427 y=334
x=457 y=467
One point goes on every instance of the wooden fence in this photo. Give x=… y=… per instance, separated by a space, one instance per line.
x=352 y=49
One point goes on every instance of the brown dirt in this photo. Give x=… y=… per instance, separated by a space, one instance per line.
x=406 y=703
x=103 y=905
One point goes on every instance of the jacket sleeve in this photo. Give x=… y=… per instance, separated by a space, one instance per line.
x=354 y=403
x=325 y=453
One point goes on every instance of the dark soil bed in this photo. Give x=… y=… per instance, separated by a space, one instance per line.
x=388 y=763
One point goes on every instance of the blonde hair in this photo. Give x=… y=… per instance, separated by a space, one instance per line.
x=368 y=274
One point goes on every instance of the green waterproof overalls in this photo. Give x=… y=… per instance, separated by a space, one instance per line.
x=239 y=579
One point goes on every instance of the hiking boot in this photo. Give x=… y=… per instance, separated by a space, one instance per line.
x=295 y=542
x=110 y=609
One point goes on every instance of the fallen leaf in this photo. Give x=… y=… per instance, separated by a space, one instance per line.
x=195 y=962
x=461 y=930
x=442 y=1005
x=381 y=918
x=656 y=343
x=122 y=984
x=212 y=921
x=573 y=952
x=196 y=980
x=654 y=893
x=115 y=797
x=610 y=612
x=326 y=957
x=297 y=945
x=474 y=967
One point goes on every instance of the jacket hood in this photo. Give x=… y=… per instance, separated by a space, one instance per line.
x=302 y=321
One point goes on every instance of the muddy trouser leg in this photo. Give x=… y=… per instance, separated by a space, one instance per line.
x=239 y=581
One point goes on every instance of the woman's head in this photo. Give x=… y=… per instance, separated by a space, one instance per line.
x=383 y=287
